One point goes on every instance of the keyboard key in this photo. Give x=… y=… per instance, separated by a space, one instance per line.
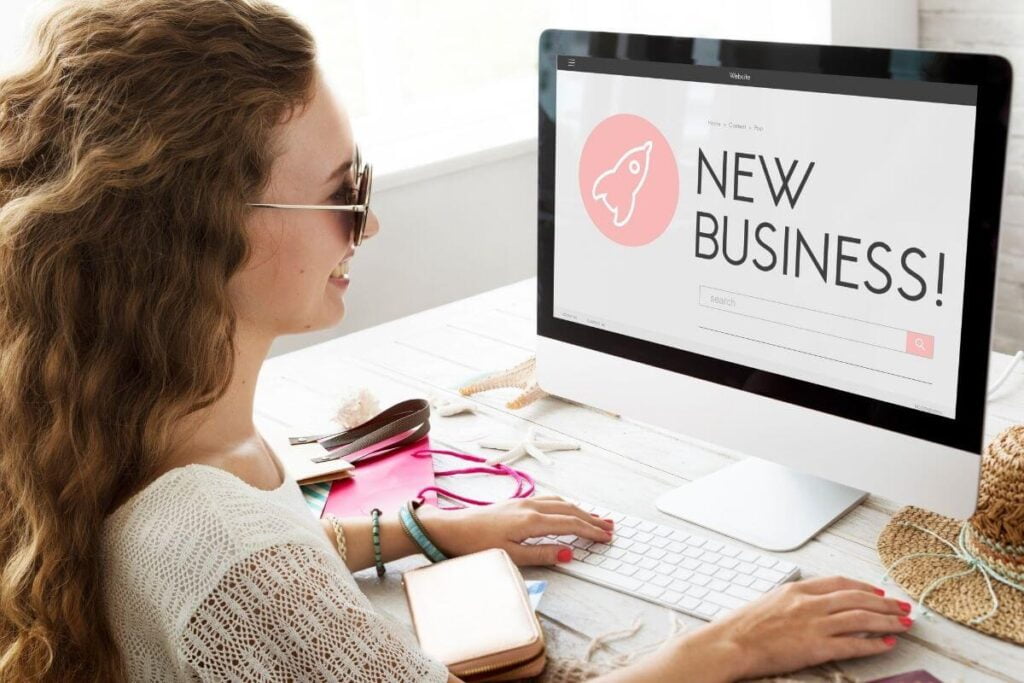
x=644 y=574
x=711 y=557
x=723 y=600
x=659 y=541
x=725 y=574
x=643 y=537
x=611 y=564
x=688 y=603
x=661 y=580
x=624 y=532
x=678 y=535
x=714 y=546
x=769 y=575
x=652 y=591
x=742 y=593
x=673 y=558
x=647 y=563
x=626 y=583
x=728 y=563
x=690 y=563
x=730 y=551
x=644 y=525
x=614 y=552
x=766 y=561
x=718 y=585
x=598 y=548
x=680 y=586
x=707 y=609
x=626 y=570
x=746 y=568
x=630 y=558
x=695 y=541
x=621 y=543
x=671 y=596
x=762 y=585
x=582 y=543
x=655 y=554
x=697 y=591
x=665 y=568
x=630 y=522
x=675 y=547
x=593 y=559
x=700 y=580
x=747 y=556
x=579 y=554
x=743 y=580
x=693 y=552
x=682 y=574
x=707 y=569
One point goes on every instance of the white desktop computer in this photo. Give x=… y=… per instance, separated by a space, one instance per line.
x=785 y=251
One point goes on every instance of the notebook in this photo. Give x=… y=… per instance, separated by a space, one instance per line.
x=384 y=483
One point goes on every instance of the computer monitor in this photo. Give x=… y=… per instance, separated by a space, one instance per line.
x=785 y=251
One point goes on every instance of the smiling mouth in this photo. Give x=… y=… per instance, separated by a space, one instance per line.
x=340 y=270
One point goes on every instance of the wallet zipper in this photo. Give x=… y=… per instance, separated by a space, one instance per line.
x=492 y=668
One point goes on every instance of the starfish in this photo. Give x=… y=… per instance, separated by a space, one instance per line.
x=447 y=406
x=522 y=376
x=529 y=445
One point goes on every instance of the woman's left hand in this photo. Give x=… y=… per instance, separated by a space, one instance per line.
x=508 y=523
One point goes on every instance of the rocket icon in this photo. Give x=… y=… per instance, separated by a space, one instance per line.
x=617 y=188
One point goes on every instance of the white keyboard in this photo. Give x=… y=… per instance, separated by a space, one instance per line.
x=664 y=565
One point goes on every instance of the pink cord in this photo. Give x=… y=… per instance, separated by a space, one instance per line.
x=520 y=477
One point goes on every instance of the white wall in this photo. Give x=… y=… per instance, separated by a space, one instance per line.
x=442 y=238
x=995 y=26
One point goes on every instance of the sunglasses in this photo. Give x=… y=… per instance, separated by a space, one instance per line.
x=361 y=207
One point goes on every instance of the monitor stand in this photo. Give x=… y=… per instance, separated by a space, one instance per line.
x=761 y=503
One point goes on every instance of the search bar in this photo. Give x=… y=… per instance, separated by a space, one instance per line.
x=819 y=322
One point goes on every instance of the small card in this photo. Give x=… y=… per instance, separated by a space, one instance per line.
x=535 y=589
x=919 y=676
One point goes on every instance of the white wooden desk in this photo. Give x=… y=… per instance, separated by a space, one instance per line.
x=623 y=465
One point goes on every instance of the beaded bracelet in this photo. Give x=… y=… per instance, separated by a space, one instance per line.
x=411 y=524
x=339 y=536
x=375 y=513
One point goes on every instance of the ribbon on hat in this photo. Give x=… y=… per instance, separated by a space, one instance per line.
x=974 y=564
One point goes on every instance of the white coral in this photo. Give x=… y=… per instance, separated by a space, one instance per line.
x=356 y=407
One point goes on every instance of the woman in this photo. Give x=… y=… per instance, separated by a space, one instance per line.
x=148 y=532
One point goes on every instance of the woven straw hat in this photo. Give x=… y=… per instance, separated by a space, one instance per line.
x=971 y=571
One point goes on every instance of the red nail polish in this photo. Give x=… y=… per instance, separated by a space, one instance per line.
x=906 y=621
x=564 y=555
x=905 y=606
x=879 y=591
x=610 y=522
x=889 y=640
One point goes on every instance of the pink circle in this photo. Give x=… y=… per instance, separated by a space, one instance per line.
x=629 y=180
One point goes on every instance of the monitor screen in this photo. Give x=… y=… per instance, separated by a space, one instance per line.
x=809 y=227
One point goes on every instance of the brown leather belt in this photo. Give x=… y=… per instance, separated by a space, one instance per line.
x=413 y=414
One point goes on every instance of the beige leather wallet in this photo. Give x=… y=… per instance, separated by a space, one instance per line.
x=473 y=614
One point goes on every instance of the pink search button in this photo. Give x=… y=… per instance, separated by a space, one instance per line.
x=920 y=344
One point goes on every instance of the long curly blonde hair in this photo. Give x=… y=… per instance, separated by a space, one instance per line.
x=129 y=146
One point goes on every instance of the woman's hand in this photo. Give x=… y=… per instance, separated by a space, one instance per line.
x=801 y=624
x=507 y=523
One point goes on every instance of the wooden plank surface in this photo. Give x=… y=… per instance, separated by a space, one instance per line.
x=622 y=465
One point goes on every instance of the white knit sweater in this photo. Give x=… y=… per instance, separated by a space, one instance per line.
x=210 y=578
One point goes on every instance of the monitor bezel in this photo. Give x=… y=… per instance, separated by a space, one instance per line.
x=991 y=73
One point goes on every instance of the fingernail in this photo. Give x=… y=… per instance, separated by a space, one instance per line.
x=564 y=555
x=905 y=606
x=879 y=591
x=608 y=534
x=889 y=640
x=906 y=621
x=610 y=522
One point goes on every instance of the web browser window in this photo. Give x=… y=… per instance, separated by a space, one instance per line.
x=809 y=225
